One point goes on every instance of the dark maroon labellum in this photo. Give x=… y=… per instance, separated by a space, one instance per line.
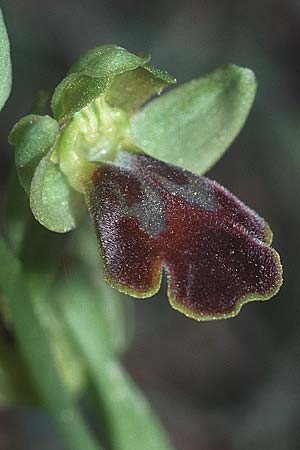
x=215 y=250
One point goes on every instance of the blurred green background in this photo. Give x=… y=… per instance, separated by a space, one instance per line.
x=228 y=385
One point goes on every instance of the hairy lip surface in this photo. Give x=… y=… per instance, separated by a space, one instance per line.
x=216 y=251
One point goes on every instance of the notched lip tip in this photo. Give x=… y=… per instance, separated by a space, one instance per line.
x=249 y=298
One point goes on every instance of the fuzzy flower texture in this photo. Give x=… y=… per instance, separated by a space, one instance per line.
x=110 y=149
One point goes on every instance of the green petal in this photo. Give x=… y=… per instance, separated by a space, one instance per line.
x=75 y=92
x=5 y=64
x=193 y=125
x=125 y=79
x=107 y=61
x=53 y=202
x=32 y=136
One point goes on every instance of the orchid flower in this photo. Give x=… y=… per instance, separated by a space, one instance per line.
x=105 y=149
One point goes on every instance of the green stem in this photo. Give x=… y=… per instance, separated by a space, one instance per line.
x=38 y=356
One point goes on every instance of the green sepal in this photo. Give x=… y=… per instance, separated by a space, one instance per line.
x=193 y=125
x=5 y=64
x=33 y=136
x=102 y=71
x=52 y=200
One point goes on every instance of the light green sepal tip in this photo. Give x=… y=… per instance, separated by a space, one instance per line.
x=193 y=125
x=53 y=202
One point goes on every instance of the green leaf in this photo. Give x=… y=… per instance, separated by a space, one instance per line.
x=125 y=78
x=130 y=421
x=38 y=355
x=5 y=64
x=193 y=125
x=33 y=136
x=70 y=365
x=53 y=202
x=39 y=282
